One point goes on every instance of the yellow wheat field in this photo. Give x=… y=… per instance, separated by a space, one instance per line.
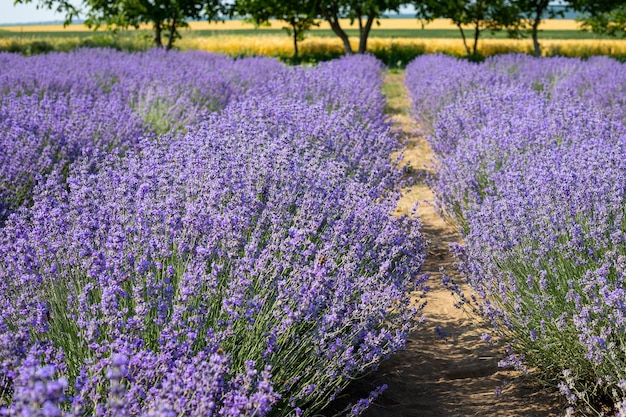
x=271 y=45
x=239 y=24
x=561 y=24
x=277 y=46
x=264 y=43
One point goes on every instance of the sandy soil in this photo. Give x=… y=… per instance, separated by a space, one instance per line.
x=457 y=374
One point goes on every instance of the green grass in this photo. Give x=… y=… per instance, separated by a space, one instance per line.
x=39 y=35
x=59 y=35
x=394 y=91
x=33 y=43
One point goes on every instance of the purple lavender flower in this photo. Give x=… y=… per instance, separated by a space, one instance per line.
x=531 y=158
x=239 y=259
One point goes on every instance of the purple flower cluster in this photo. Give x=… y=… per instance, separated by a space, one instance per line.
x=247 y=264
x=533 y=169
x=437 y=80
x=47 y=132
x=57 y=108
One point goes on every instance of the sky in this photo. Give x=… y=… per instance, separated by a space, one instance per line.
x=26 y=13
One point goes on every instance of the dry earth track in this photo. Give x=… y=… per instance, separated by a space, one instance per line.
x=455 y=375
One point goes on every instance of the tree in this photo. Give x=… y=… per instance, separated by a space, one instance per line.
x=602 y=16
x=480 y=15
x=299 y=15
x=532 y=12
x=166 y=16
x=365 y=12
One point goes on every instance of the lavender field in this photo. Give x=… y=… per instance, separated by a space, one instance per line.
x=188 y=234
x=530 y=160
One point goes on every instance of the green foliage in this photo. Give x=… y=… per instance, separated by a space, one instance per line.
x=480 y=15
x=398 y=56
x=310 y=58
x=520 y=17
x=366 y=12
x=29 y=48
x=299 y=15
x=476 y=57
x=611 y=22
x=531 y=13
x=38 y=45
x=113 y=41
x=165 y=15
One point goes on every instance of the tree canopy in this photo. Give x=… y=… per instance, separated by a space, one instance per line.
x=299 y=15
x=531 y=13
x=365 y=12
x=165 y=16
x=479 y=15
x=471 y=17
x=602 y=16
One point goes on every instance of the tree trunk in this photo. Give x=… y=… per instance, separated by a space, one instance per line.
x=172 y=35
x=541 y=7
x=157 y=35
x=333 y=21
x=342 y=35
x=467 y=49
x=364 y=32
x=476 y=35
x=536 y=46
x=295 y=41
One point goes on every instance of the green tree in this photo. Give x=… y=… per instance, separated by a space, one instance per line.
x=531 y=13
x=479 y=15
x=299 y=15
x=364 y=12
x=602 y=16
x=165 y=16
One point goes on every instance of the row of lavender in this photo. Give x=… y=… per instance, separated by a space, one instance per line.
x=531 y=164
x=232 y=255
x=58 y=107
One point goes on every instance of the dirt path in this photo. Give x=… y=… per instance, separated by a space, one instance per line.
x=454 y=375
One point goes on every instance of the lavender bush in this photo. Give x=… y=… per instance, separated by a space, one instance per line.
x=247 y=264
x=59 y=107
x=536 y=179
x=43 y=134
x=435 y=81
